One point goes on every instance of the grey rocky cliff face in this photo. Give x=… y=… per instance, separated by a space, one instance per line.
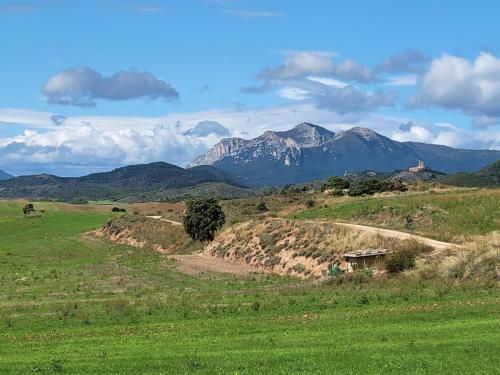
x=280 y=146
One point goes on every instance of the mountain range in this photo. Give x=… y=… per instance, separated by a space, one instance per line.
x=152 y=181
x=4 y=175
x=309 y=152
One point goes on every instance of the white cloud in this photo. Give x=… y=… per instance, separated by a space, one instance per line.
x=415 y=134
x=328 y=81
x=299 y=63
x=453 y=82
x=293 y=93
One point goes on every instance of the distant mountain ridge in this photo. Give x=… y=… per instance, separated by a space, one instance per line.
x=154 y=180
x=309 y=152
x=5 y=176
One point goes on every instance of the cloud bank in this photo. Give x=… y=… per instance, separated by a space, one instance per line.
x=81 y=145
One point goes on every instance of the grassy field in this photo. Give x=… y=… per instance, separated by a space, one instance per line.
x=72 y=303
x=450 y=216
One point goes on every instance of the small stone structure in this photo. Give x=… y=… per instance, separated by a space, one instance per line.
x=368 y=258
x=419 y=168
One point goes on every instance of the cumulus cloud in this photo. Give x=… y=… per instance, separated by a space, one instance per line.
x=351 y=99
x=81 y=86
x=453 y=82
x=407 y=61
x=303 y=63
x=312 y=76
x=206 y=128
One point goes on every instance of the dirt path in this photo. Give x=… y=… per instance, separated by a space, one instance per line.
x=437 y=245
x=196 y=264
x=167 y=220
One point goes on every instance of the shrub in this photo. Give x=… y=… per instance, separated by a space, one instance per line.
x=118 y=209
x=337 y=192
x=400 y=261
x=204 y=217
x=28 y=209
x=373 y=185
x=335 y=183
x=272 y=261
x=261 y=206
x=310 y=203
x=299 y=267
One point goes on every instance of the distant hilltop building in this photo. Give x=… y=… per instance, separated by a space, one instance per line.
x=419 y=168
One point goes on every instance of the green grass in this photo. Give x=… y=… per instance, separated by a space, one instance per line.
x=450 y=216
x=77 y=305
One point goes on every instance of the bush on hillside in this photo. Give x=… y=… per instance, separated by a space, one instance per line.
x=118 y=209
x=310 y=203
x=373 y=185
x=335 y=183
x=400 y=261
x=28 y=209
x=204 y=217
x=337 y=192
x=261 y=206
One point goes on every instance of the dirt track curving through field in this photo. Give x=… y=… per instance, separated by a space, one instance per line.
x=437 y=245
x=162 y=219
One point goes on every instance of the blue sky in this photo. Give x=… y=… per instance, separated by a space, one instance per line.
x=131 y=78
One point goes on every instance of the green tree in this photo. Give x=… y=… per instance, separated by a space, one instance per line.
x=400 y=261
x=28 y=209
x=204 y=217
x=335 y=183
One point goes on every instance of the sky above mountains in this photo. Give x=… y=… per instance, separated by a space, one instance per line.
x=91 y=85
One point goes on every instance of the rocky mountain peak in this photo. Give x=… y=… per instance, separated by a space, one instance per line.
x=364 y=133
x=307 y=135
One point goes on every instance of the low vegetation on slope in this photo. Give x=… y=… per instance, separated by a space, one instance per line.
x=299 y=248
x=451 y=216
x=486 y=177
x=142 y=231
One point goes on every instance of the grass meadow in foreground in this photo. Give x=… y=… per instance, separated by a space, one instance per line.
x=71 y=303
x=449 y=216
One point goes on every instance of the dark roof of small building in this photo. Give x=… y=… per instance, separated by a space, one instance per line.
x=366 y=253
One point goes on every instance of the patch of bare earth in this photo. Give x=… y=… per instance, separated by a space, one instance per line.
x=198 y=264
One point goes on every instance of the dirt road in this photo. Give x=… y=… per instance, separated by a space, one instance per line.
x=167 y=220
x=437 y=245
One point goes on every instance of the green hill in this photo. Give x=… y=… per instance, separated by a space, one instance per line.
x=486 y=177
x=141 y=182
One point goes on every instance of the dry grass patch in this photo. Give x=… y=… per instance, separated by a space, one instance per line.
x=141 y=231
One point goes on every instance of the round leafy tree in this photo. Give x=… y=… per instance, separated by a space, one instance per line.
x=28 y=209
x=204 y=217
